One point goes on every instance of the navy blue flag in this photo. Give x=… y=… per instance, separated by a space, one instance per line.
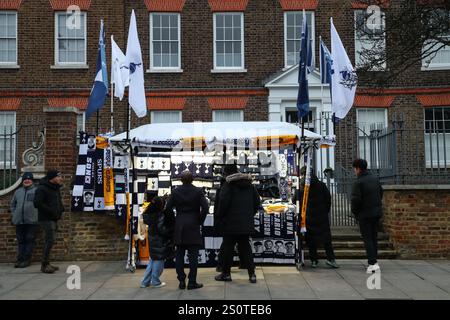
x=303 y=95
x=100 y=88
x=325 y=64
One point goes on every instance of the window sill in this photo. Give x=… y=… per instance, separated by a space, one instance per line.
x=164 y=71
x=70 y=66
x=9 y=66
x=433 y=68
x=228 y=70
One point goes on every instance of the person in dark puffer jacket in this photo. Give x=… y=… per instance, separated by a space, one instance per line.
x=239 y=201
x=160 y=236
x=50 y=208
x=317 y=220
x=367 y=195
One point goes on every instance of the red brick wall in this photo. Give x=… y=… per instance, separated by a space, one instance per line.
x=81 y=236
x=418 y=222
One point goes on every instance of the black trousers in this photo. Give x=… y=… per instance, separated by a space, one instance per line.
x=26 y=236
x=328 y=250
x=49 y=228
x=244 y=249
x=369 y=233
x=221 y=254
x=193 y=262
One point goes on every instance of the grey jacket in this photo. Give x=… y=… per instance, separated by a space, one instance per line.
x=22 y=207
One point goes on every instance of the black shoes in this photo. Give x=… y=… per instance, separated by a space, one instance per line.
x=192 y=286
x=219 y=269
x=223 y=277
x=182 y=285
x=252 y=278
x=23 y=264
x=47 y=269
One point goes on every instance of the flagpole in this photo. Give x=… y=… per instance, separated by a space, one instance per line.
x=97 y=122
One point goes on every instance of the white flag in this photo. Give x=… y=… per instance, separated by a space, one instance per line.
x=133 y=62
x=119 y=73
x=344 y=77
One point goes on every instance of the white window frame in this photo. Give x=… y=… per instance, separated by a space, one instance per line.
x=70 y=65
x=14 y=64
x=313 y=32
x=438 y=140
x=13 y=163
x=164 y=69
x=428 y=65
x=368 y=40
x=241 y=112
x=152 y=115
x=358 y=110
x=229 y=69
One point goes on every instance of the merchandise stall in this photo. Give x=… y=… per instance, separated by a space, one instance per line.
x=149 y=160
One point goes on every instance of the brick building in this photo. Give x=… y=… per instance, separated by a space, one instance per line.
x=210 y=60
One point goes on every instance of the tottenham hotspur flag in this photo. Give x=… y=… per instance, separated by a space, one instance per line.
x=344 y=79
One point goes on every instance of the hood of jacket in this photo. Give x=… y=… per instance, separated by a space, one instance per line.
x=45 y=182
x=240 y=179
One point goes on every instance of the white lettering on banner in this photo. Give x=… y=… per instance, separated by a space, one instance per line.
x=99 y=171
x=87 y=178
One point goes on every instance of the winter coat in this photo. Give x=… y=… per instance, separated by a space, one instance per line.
x=22 y=206
x=48 y=201
x=191 y=208
x=238 y=203
x=160 y=234
x=367 y=194
x=317 y=211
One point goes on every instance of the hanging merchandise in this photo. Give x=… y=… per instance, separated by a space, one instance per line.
x=93 y=180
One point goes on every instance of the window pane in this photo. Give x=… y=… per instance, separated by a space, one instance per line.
x=428 y=114
x=290 y=19
x=157 y=33
x=291 y=46
x=220 y=60
x=228 y=34
x=228 y=21
x=237 y=21
x=228 y=60
x=174 y=47
x=157 y=60
x=165 y=47
x=290 y=32
x=156 y=20
x=165 y=21
x=237 y=60
x=237 y=47
x=228 y=47
x=220 y=21
x=166 y=60
x=156 y=47
x=3 y=20
x=174 y=21
x=236 y=33
x=173 y=34
x=438 y=113
x=227 y=115
x=3 y=56
x=166 y=116
x=165 y=34
x=220 y=47
x=174 y=60
x=220 y=34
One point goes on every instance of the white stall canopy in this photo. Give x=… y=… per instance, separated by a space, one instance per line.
x=198 y=135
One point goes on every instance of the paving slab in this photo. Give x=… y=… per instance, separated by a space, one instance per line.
x=289 y=286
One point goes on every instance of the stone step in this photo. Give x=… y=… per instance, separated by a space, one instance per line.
x=339 y=244
x=355 y=254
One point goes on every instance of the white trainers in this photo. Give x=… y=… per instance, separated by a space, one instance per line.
x=373 y=268
x=162 y=284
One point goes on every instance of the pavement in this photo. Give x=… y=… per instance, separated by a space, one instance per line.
x=399 y=279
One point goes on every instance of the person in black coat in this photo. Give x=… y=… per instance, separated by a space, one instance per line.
x=191 y=210
x=317 y=220
x=48 y=201
x=160 y=237
x=238 y=203
x=367 y=195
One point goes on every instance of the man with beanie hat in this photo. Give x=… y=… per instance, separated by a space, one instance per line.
x=25 y=217
x=50 y=208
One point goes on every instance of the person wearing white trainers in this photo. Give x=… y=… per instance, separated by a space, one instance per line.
x=367 y=195
x=373 y=268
